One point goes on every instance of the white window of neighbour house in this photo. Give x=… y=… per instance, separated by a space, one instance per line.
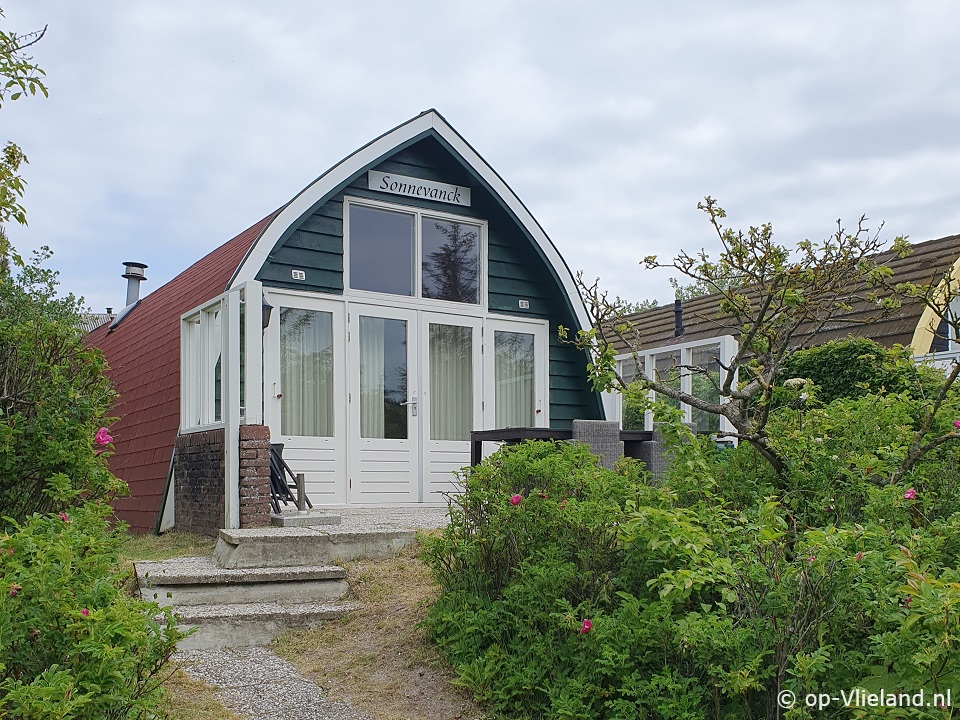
x=673 y=365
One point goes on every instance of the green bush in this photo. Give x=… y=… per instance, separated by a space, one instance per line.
x=709 y=594
x=856 y=367
x=54 y=398
x=73 y=642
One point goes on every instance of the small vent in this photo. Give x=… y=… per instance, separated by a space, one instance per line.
x=298 y=274
x=524 y=304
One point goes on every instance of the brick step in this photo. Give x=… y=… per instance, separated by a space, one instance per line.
x=199 y=581
x=248 y=624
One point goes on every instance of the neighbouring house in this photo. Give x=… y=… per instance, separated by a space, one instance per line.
x=694 y=333
x=401 y=300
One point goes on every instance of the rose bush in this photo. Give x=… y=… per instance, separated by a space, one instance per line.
x=716 y=589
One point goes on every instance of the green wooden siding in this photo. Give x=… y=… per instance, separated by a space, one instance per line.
x=516 y=269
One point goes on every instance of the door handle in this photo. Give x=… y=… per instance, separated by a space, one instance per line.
x=412 y=402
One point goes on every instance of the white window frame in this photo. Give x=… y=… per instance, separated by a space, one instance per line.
x=728 y=349
x=419 y=214
x=200 y=343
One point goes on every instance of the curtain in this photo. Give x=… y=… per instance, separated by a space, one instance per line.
x=306 y=372
x=371 y=377
x=451 y=382
x=513 y=376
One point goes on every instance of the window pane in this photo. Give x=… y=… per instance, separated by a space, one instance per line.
x=667 y=369
x=633 y=412
x=306 y=372
x=383 y=378
x=451 y=261
x=704 y=385
x=513 y=373
x=381 y=250
x=451 y=382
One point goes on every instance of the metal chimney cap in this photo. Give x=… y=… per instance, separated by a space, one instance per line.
x=134 y=271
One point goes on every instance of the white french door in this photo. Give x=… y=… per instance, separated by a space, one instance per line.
x=375 y=403
x=416 y=392
x=384 y=400
x=451 y=397
x=305 y=373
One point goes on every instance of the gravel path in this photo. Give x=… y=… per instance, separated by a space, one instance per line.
x=258 y=685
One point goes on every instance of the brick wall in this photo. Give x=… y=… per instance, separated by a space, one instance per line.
x=254 y=476
x=198 y=467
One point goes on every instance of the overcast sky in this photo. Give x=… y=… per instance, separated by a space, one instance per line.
x=173 y=125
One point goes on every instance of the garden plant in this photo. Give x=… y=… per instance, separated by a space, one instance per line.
x=812 y=570
x=570 y=591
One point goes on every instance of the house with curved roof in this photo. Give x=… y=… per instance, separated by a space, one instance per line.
x=404 y=298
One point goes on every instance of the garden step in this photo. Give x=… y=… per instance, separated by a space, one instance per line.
x=199 y=581
x=279 y=547
x=249 y=624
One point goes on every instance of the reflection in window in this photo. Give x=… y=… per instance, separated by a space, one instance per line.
x=306 y=372
x=705 y=386
x=383 y=378
x=513 y=376
x=451 y=382
x=667 y=369
x=381 y=250
x=633 y=411
x=451 y=260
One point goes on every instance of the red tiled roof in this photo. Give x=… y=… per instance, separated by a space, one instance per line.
x=144 y=357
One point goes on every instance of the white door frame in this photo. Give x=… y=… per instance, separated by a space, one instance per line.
x=397 y=459
x=541 y=367
x=321 y=459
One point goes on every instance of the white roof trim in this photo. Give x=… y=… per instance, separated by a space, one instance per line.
x=369 y=154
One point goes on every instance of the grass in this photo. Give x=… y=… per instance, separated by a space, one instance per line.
x=189 y=699
x=378 y=658
x=166 y=546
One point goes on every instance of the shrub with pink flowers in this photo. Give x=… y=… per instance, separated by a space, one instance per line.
x=54 y=401
x=73 y=642
x=706 y=594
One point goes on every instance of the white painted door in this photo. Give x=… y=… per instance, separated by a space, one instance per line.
x=384 y=399
x=451 y=397
x=305 y=375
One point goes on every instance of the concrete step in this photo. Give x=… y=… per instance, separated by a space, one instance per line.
x=278 y=547
x=199 y=581
x=248 y=624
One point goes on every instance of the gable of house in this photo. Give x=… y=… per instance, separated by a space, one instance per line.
x=143 y=354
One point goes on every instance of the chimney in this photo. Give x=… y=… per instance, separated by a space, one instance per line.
x=134 y=276
x=677 y=318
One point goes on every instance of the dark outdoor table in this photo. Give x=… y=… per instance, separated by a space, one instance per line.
x=631 y=438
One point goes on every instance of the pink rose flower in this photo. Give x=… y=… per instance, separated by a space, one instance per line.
x=516 y=499
x=956 y=424
x=910 y=494
x=811 y=558
x=63 y=516
x=85 y=612
x=585 y=627
x=103 y=437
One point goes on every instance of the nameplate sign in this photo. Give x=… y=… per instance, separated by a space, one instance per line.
x=415 y=187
